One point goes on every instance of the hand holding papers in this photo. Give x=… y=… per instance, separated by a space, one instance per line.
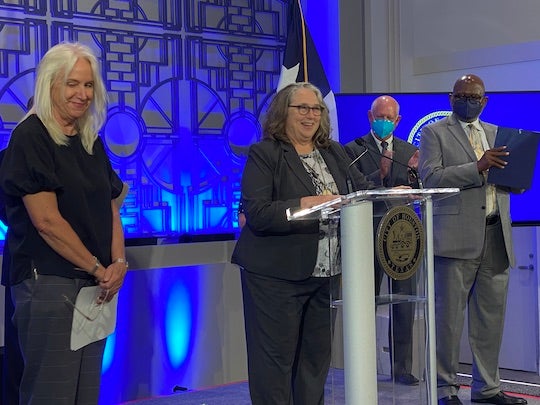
x=92 y=320
x=522 y=146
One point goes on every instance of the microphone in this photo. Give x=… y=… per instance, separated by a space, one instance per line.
x=356 y=159
x=411 y=170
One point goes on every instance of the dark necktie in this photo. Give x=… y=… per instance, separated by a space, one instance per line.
x=385 y=152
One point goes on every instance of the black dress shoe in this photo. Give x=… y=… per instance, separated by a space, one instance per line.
x=406 y=379
x=450 y=400
x=500 y=399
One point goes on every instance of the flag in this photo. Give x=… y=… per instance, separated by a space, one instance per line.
x=301 y=62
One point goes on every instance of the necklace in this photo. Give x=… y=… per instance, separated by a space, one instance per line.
x=313 y=163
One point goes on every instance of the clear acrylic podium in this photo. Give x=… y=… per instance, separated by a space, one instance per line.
x=353 y=217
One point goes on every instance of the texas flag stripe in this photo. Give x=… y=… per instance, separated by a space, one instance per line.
x=301 y=62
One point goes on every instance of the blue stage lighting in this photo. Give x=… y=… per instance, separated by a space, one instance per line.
x=178 y=319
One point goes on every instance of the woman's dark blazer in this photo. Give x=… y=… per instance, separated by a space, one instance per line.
x=274 y=179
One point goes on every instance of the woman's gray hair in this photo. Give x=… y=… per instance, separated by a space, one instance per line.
x=55 y=67
x=276 y=116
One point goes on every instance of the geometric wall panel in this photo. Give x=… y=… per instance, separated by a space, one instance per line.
x=188 y=83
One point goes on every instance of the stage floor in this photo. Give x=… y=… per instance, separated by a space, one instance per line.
x=389 y=393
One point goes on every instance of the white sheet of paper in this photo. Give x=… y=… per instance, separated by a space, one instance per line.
x=84 y=331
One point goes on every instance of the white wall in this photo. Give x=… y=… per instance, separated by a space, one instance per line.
x=425 y=45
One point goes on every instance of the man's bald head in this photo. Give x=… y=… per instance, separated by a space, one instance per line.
x=385 y=103
x=469 y=81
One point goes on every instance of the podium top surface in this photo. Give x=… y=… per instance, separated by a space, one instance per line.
x=394 y=195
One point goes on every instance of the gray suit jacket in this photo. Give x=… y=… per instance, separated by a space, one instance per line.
x=447 y=159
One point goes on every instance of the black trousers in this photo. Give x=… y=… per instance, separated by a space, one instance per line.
x=13 y=363
x=288 y=334
x=400 y=331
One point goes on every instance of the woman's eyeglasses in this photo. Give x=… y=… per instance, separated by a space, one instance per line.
x=305 y=109
x=94 y=310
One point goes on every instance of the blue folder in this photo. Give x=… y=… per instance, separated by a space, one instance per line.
x=523 y=148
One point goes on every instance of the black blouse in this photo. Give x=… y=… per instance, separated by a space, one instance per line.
x=84 y=185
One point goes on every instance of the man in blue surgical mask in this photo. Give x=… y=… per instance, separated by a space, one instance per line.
x=380 y=141
x=384 y=118
x=472 y=242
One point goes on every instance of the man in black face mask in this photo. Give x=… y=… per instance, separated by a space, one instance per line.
x=472 y=243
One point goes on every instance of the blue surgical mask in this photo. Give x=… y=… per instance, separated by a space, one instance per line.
x=382 y=128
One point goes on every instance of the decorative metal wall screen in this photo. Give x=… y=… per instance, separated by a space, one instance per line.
x=188 y=82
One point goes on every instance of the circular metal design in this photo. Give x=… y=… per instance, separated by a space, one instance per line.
x=400 y=242
x=414 y=135
x=242 y=130
x=184 y=142
x=123 y=133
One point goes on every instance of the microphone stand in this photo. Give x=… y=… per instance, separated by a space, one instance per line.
x=411 y=170
x=356 y=159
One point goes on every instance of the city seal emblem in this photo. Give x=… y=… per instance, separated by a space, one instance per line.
x=400 y=242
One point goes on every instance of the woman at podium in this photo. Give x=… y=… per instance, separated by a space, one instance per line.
x=286 y=269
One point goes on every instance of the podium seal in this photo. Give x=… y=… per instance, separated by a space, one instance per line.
x=400 y=242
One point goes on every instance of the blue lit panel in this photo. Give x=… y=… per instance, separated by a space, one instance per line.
x=167 y=325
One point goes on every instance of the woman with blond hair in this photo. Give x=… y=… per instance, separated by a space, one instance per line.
x=64 y=229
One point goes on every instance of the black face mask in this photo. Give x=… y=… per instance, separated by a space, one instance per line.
x=467 y=109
